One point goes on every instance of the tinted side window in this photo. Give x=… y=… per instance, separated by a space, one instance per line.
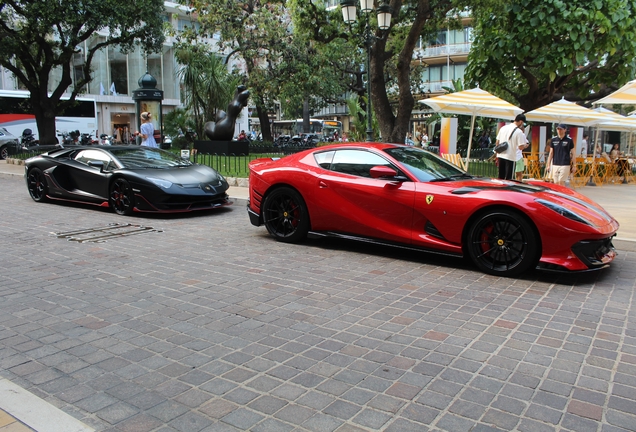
x=356 y=162
x=86 y=156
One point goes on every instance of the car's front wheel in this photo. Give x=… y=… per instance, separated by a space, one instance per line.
x=38 y=189
x=502 y=243
x=4 y=153
x=121 y=197
x=285 y=215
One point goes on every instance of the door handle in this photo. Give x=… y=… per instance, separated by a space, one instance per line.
x=322 y=184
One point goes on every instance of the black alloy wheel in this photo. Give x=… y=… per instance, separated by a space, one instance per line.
x=285 y=215
x=121 y=197
x=36 y=182
x=4 y=153
x=502 y=243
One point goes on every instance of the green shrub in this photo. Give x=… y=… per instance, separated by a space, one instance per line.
x=180 y=143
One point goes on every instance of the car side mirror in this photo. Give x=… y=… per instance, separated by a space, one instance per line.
x=97 y=164
x=382 y=171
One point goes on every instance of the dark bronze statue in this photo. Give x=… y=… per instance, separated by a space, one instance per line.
x=223 y=128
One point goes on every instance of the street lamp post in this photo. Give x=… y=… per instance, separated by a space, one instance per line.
x=384 y=22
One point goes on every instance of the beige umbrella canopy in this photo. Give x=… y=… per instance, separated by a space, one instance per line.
x=567 y=112
x=615 y=121
x=624 y=95
x=473 y=102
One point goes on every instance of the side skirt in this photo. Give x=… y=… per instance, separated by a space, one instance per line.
x=317 y=235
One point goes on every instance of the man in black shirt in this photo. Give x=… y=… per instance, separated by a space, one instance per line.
x=561 y=156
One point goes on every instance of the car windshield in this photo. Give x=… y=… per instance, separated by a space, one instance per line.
x=148 y=157
x=424 y=165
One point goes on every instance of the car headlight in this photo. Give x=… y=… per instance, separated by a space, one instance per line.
x=221 y=178
x=563 y=211
x=160 y=182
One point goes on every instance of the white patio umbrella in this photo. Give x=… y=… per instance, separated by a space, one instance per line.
x=567 y=112
x=624 y=95
x=615 y=121
x=473 y=102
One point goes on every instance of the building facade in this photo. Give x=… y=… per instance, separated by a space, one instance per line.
x=116 y=76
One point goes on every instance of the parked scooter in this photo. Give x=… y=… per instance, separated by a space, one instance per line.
x=105 y=139
x=27 y=139
x=65 y=138
x=87 y=139
x=75 y=137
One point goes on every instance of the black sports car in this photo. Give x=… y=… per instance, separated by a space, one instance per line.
x=126 y=178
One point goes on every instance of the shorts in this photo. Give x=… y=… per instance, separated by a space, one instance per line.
x=560 y=173
x=520 y=166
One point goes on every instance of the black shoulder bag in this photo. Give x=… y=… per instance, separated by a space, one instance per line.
x=502 y=147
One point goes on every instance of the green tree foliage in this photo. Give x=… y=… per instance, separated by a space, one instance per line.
x=358 y=131
x=208 y=85
x=280 y=66
x=255 y=32
x=177 y=122
x=392 y=77
x=533 y=52
x=39 y=36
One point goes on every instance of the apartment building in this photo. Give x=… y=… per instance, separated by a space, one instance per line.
x=116 y=75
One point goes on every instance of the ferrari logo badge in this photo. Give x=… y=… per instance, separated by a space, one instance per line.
x=429 y=199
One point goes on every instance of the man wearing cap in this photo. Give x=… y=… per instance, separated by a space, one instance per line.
x=513 y=135
x=561 y=155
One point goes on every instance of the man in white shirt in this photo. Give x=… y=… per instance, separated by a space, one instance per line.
x=514 y=136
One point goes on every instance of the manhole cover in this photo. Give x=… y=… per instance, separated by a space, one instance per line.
x=102 y=234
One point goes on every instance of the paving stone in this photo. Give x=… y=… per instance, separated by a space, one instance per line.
x=578 y=424
x=267 y=404
x=294 y=414
x=450 y=422
x=467 y=409
x=622 y=420
x=272 y=425
x=372 y=419
x=402 y=425
x=168 y=411
x=500 y=419
x=342 y=409
x=190 y=422
x=242 y=418
x=117 y=412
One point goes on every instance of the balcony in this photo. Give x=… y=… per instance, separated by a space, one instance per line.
x=435 y=87
x=444 y=50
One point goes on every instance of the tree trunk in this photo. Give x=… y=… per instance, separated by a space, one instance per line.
x=45 y=119
x=394 y=127
x=306 y=116
x=263 y=118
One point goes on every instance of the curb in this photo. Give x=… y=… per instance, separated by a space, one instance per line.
x=35 y=412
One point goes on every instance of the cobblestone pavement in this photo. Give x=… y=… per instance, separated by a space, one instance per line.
x=205 y=323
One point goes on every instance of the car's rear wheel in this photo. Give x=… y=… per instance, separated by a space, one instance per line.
x=36 y=182
x=285 y=215
x=502 y=243
x=4 y=153
x=121 y=197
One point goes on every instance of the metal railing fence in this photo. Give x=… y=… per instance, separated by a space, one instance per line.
x=236 y=165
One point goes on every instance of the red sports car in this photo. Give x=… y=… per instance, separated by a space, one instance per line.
x=400 y=195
